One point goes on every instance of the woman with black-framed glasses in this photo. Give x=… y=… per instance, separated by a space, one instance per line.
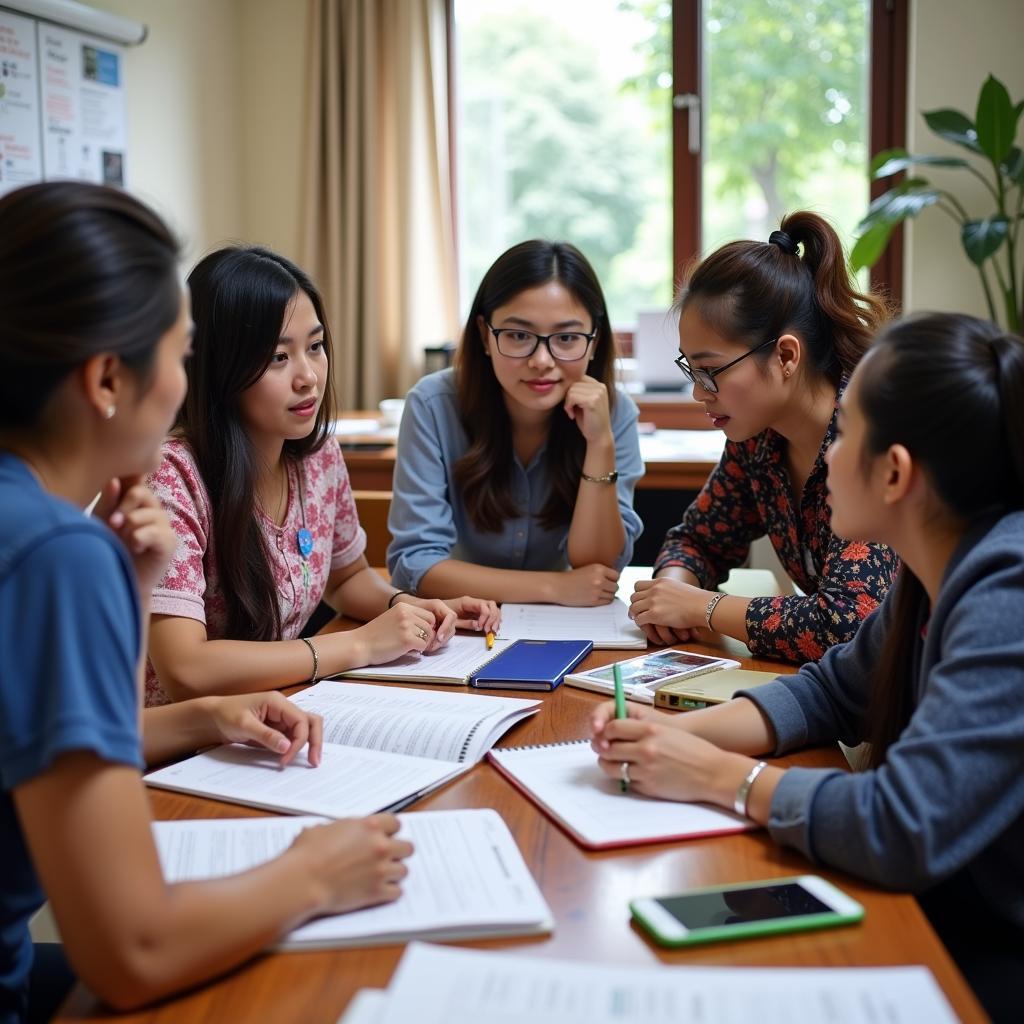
x=768 y=335
x=516 y=469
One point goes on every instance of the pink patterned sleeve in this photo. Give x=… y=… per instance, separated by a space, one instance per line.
x=177 y=485
x=349 y=537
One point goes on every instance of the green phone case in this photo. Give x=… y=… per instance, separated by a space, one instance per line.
x=751 y=929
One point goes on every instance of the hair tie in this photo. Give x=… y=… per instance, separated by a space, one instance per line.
x=783 y=241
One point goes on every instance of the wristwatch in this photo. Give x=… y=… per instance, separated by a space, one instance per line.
x=608 y=478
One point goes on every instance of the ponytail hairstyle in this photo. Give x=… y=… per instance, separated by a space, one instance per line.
x=239 y=298
x=950 y=389
x=484 y=473
x=84 y=270
x=751 y=292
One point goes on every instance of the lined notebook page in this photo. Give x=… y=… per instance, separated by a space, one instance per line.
x=466 y=875
x=565 y=780
x=607 y=625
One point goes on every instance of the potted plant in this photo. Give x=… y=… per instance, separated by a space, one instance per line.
x=990 y=242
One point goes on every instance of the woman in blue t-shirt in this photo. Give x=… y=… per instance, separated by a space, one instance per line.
x=515 y=471
x=95 y=333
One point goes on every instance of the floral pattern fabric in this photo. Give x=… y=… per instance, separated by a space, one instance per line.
x=319 y=497
x=749 y=495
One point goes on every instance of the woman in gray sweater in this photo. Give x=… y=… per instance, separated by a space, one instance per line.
x=929 y=460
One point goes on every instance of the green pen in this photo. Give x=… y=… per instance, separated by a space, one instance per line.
x=620 y=712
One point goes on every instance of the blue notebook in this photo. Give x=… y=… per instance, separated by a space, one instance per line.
x=532 y=665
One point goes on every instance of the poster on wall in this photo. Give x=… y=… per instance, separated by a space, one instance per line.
x=21 y=159
x=83 y=108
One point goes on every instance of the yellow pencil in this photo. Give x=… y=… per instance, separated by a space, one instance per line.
x=490 y=639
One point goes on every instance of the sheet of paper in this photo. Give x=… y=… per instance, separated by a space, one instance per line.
x=566 y=779
x=457 y=727
x=367 y=1007
x=466 y=876
x=458 y=659
x=349 y=781
x=607 y=625
x=445 y=985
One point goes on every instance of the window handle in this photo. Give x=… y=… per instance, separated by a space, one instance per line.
x=690 y=102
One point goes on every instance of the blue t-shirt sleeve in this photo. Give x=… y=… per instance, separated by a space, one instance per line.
x=69 y=651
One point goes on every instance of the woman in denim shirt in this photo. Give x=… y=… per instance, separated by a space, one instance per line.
x=520 y=463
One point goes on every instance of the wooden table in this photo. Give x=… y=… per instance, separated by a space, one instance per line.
x=588 y=894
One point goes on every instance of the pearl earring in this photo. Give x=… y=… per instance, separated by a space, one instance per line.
x=110 y=412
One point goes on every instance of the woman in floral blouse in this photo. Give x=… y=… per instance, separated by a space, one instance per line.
x=769 y=335
x=258 y=494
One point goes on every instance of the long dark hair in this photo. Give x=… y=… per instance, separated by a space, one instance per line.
x=751 y=292
x=239 y=298
x=950 y=389
x=484 y=473
x=84 y=269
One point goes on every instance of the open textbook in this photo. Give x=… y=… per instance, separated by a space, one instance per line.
x=566 y=782
x=607 y=625
x=445 y=985
x=383 y=748
x=454 y=664
x=467 y=878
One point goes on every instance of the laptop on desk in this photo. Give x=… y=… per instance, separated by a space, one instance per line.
x=655 y=346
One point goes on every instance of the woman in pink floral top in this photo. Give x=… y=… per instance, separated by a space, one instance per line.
x=259 y=497
x=804 y=327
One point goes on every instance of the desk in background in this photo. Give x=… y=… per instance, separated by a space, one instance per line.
x=588 y=894
x=674 y=460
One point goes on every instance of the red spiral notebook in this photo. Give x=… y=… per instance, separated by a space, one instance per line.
x=565 y=781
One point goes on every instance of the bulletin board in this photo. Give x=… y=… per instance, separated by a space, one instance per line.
x=62 y=106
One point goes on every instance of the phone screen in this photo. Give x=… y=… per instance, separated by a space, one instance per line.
x=740 y=906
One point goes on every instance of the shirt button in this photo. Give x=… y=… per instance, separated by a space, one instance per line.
x=280 y=542
x=519 y=533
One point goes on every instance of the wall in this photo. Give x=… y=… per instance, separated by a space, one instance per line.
x=953 y=47
x=183 y=103
x=214 y=98
x=272 y=36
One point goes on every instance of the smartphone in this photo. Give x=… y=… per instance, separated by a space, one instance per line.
x=721 y=912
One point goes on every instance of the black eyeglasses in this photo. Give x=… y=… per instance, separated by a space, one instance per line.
x=564 y=346
x=706 y=378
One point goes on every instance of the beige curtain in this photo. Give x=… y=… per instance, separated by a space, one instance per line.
x=377 y=230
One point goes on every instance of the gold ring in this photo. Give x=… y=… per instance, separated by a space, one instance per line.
x=423 y=634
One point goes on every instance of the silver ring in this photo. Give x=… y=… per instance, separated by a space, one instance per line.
x=423 y=634
x=624 y=771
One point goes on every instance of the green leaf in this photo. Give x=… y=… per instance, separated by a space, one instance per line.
x=953 y=126
x=870 y=246
x=893 y=206
x=880 y=159
x=1013 y=165
x=902 y=163
x=996 y=120
x=981 y=238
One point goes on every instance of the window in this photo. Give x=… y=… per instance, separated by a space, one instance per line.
x=648 y=132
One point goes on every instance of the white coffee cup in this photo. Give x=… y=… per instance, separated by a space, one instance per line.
x=391 y=411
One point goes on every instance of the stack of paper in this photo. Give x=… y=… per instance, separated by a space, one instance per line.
x=437 y=985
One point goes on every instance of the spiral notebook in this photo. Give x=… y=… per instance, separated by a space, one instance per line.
x=565 y=781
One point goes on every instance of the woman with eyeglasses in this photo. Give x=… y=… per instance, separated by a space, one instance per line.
x=929 y=459
x=258 y=494
x=768 y=334
x=95 y=331
x=516 y=469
